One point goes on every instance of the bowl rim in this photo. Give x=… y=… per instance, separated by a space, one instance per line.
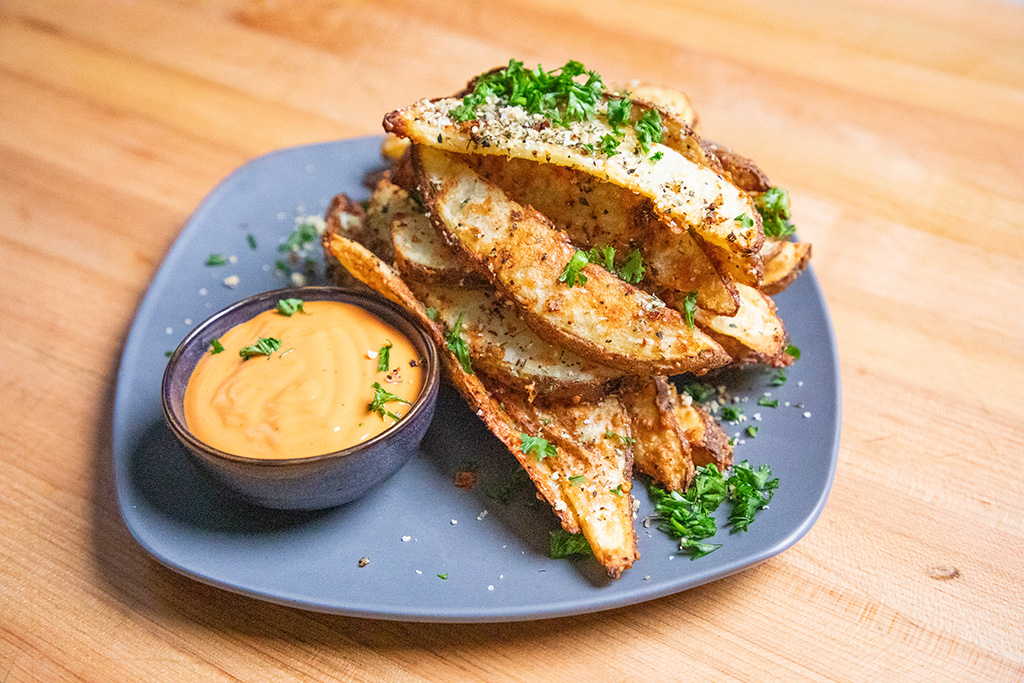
x=365 y=299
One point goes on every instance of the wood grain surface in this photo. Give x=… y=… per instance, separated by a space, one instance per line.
x=898 y=128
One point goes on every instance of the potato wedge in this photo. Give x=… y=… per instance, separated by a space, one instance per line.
x=783 y=261
x=754 y=335
x=692 y=194
x=604 y=320
x=595 y=213
x=377 y=275
x=708 y=443
x=743 y=172
x=661 y=449
x=593 y=468
x=504 y=349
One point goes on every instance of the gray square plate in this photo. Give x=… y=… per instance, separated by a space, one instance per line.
x=418 y=525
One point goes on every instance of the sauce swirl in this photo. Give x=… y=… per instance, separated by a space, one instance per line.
x=309 y=396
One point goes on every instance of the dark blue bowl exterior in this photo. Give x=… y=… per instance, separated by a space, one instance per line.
x=314 y=482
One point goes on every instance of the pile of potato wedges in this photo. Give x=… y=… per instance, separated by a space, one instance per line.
x=473 y=228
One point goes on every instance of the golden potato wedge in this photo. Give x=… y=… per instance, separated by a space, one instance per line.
x=593 y=467
x=596 y=214
x=743 y=172
x=504 y=349
x=661 y=449
x=754 y=335
x=605 y=320
x=708 y=443
x=783 y=261
x=695 y=195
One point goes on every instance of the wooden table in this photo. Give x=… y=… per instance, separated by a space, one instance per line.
x=897 y=127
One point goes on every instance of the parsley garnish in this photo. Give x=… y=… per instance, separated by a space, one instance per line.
x=556 y=95
x=381 y=397
x=215 y=347
x=768 y=402
x=627 y=440
x=773 y=205
x=216 y=260
x=290 y=307
x=690 y=308
x=562 y=544
x=687 y=516
x=700 y=392
x=609 y=145
x=251 y=239
x=443 y=577
x=579 y=479
x=540 y=446
x=750 y=491
x=618 y=112
x=458 y=346
x=648 y=129
x=302 y=236
x=384 y=357
x=657 y=156
x=779 y=379
x=603 y=256
x=432 y=313
x=793 y=351
x=633 y=269
x=752 y=431
x=264 y=346
x=731 y=414
x=617 y=490
x=744 y=220
x=572 y=273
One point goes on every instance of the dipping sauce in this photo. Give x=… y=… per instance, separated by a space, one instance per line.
x=311 y=394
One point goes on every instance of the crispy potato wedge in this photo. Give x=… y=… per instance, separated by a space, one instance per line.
x=504 y=349
x=601 y=515
x=661 y=449
x=594 y=213
x=605 y=320
x=344 y=217
x=695 y=195
x=743 y=172
x=378 y=276
x=593 y=468
x=754 y=335
x=419 y=251
x=708 y=443
x=783 y=261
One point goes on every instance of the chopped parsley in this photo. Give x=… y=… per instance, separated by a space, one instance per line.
x=579 y=479
x=609 y=145
x=688 y=516
x=648 y=129
x=627 y=440
x=690 y=308
x=768 y=402
x=731 y=413
x=633 y=269
x=251 y=239
x=216 y=260
x=384 y=357
x=752 y=431
x=657 y=156
x=617 y=490
x=443 y=577
x=215 y=347
x=562 y=544
x=458 y=346
x=289 y=307
x=793 y=351
x=603 y=256
x=560 y=96
x=778 y=379
x=572 y=273
x=539 y=446
x=744 y=220
x=264 y=346
x=700 y=392
x=381 y=397
x=432 y=313
x=304 y=234
x=773 y=205
x=618 y=112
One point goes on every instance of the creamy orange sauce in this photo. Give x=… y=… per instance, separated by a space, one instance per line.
x=309 y=397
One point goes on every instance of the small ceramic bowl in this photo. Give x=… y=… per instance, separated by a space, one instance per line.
x=315 y=482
